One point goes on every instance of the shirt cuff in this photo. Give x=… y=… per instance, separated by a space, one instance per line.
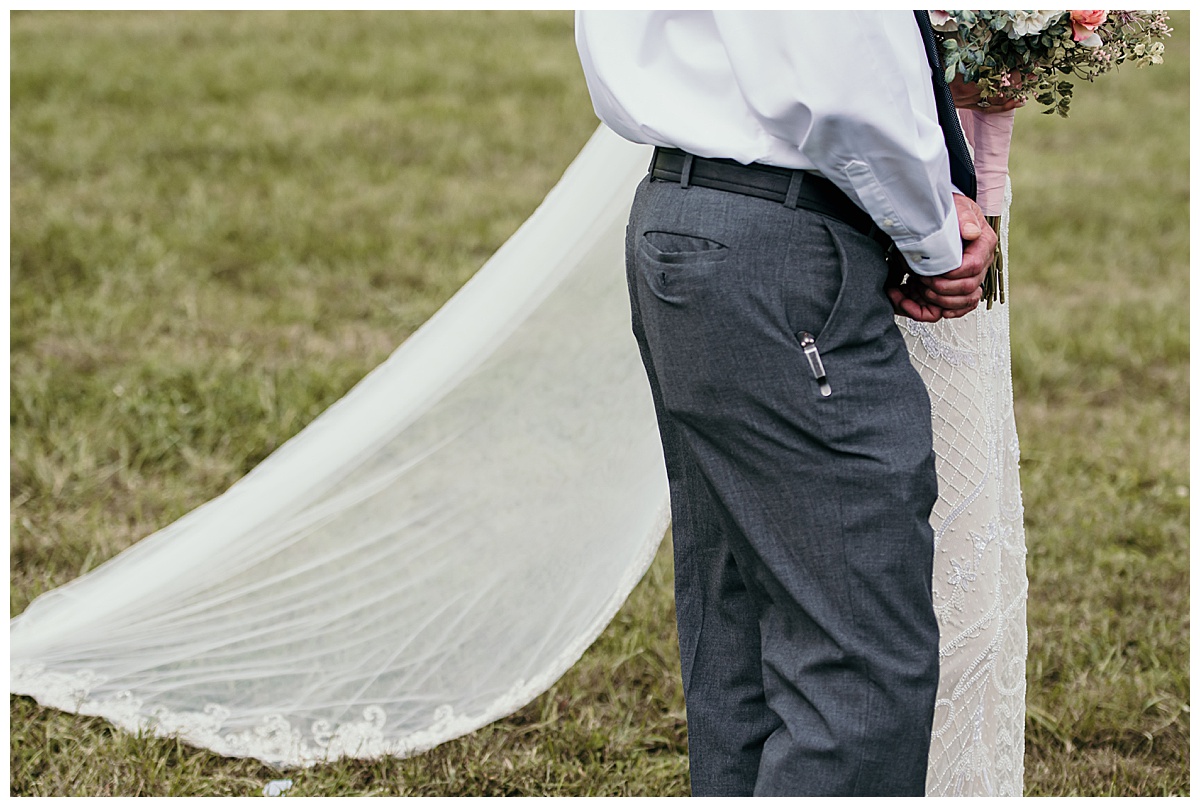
x=937 y=253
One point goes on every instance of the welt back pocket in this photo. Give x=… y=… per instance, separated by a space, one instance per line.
x=666 y=247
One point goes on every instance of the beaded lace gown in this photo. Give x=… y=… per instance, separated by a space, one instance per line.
x=444 y=542
x=979 y=582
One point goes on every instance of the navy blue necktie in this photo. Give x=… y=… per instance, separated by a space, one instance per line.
x=962 y=171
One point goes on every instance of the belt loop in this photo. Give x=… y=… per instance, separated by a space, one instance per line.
x=793 y=191
x=685 y=175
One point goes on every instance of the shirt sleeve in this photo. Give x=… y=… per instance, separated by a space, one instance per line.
x=853 y=92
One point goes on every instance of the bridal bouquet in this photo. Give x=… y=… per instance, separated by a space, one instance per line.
x=1026 y=54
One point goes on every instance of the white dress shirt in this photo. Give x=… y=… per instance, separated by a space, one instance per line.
x=847 y=94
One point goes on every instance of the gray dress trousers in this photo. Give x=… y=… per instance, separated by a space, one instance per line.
x=803 y=550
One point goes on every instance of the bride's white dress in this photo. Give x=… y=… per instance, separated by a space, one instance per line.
x=979 y=582
x=442 y=544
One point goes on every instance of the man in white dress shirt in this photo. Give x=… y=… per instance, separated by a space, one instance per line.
x=800 y=165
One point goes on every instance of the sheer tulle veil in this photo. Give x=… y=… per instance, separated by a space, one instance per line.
x=428 y=555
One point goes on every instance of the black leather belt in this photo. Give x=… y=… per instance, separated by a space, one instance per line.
x=787 y=186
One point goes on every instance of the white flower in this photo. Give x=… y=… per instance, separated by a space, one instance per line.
x=942 y=21
x=277 y=787
x=963 y=574
x=1025 y=23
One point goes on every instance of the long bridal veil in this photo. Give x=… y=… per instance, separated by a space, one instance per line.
x=428 y=555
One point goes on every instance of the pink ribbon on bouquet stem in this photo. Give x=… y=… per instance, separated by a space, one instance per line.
x=990 y=135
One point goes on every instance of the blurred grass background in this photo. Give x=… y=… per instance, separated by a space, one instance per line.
x=221 y=221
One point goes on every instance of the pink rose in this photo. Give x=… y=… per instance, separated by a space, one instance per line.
x=1084 y=25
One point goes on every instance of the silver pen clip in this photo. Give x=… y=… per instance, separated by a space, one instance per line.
x=809 y=343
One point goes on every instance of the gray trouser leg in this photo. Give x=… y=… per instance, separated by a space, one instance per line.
x=801 y=522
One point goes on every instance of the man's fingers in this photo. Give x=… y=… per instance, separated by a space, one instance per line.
x=954 y=274
x=971 y=223
x=960 y=312
x=977 y=251
x=969 y=268
x=955 y=302
x=951 y=288
x=978 y=254
x=906 y=306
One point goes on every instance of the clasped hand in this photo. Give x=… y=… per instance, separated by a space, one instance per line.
x=955 y=293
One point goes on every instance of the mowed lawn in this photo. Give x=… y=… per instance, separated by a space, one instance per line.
x=221 y=221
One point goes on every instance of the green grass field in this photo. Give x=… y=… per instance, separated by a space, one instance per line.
x=220 y=222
